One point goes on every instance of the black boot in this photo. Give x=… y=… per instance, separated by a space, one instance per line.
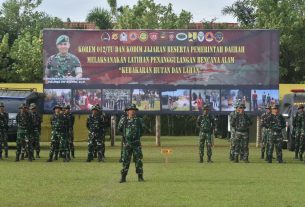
x=301 y=157
x=22 y=156
x=56 y=156
x=280 y=159
x=269 y=158
x=209 y=159
x=201 y=159
x=72 y=153
x=296 y=156
x=6 y=153
x=17 y=157
x=123 y=178
x=37 y=154
x=89 y=159
x=236 y=159
x=50 y=158
x=95 y=155
x=30 y=156
x=263 y=155
x=1 y=156
x=140 y=178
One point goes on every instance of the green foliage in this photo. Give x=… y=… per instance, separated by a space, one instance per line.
x=289 y=18
x=100 y=17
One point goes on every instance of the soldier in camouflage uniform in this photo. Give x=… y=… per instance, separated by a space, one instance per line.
x=3 y=131
x=231 y=115
x=300 y=132
x=59 y=139
x=103 y=117
x=70 y=134
x=206 y=125
x=132 y=128
x=297 y=128
x=276 y=124
x=35 y=129
x=24 y=141
x=265 y=131
x=241 y=123
x=63 y=64
x=95 y=125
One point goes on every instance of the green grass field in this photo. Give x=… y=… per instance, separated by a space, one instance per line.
x=181 y=182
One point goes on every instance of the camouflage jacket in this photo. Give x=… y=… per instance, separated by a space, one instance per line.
x=59 y=123
x=276 y=122
x=298 y=121
x=95 y=123
x=71 y=119
x=241 y=122
x=3 y=121
x=36 y=120
x=24 y=120
x=206 y=123
x=132 y=129
x=264 y=120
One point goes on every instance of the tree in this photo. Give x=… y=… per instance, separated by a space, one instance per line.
x=4 y=57
x=100 y=17
x=289 y=18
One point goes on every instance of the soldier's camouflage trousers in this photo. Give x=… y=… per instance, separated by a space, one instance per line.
x=205 y=138
x=241 y=142
x=24 y=143
x=95 y=142
x=3 y=142
x=231 y=155
x=36 y=140
x=128 y=151
x=265 y=140
x=297 y=141
x=59 y=143
x=275 y=141
x=302 y=145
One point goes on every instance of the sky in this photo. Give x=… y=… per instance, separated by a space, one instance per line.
x=77 y=10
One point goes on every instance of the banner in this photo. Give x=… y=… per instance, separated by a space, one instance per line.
x=162 y=71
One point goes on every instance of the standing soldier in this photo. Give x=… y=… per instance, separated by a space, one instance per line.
x=132 y=128
x=206 y=124
x=59 y=141
x=241 y=123
x=36 y=128
x=232 y=129
x=265 y=131
x=3 y=130
x=95 y=125
x=297 y=127
x=70 y=134
x=276 y=124
x=24 y=141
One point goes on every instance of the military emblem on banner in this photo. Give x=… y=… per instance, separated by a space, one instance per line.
x=163 y=35
x=209 y=36
x=181 y=36
x=143 y=37
x=115 y=36
x=200 y=36
x=218 y=37
x=192 y=36
x=153 y=36
x=105 y=37
x=123 y=37
x=171 y=36
x=133 y=36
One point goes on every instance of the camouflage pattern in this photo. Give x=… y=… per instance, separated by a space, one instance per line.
x=276 y=125
x=232 y=138
x=59 y=139
x=298 y=119
x=206 y=125
x=35 y=131
x=301 y=135
x=265 y=133
x=3 y=133
x=241 y=123
x=132 y=129
x=70 y=134
x=95 y=125
x=24 y=142
x=63 y=66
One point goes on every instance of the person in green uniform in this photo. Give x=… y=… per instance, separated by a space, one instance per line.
x=63 y=64
x=265 y=131
x=132 y=128
x=36 y=128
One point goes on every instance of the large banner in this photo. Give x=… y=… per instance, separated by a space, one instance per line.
x=162 y=71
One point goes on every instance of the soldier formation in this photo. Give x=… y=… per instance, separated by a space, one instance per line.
x=62 y=122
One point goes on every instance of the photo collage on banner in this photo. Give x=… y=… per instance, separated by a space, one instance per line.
x=115 y=99
x=176 y=100
x=56 y=97
x=84 y=99
x=203 y=97
x=231 y=97
x=262 y=98
x=146 y=100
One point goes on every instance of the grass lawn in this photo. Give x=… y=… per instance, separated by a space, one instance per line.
x=181 y=182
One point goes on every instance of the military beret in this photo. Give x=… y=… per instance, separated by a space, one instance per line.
x=67 y=106
x=275 y=106
x=1 y=104
x=57 y=107
x=23 y=105
x=131 y=107
x=94 y=108
x=62 y=39
x=242 y=106
x=268 y=107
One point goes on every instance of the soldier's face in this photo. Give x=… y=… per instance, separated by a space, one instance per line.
x=206 y=111
x=131 y=113
x=94 y=112
x=275 y=111
x=63 y=47
x=57 y=110
x=241 y=110
x=1 y=109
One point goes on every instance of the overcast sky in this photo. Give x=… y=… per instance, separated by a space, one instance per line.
x=77 y=10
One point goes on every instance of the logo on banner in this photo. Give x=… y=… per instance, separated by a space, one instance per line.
x=218 y=37
x=163 y=35
x=200 y=36
x=115 y=36
x=123 y=37
x=181 y=36
x=171 y=36
x=133 y=36
x=143 y=36
x=105 y=36
x=153 y=36
x=209 y=36
x=192 y=36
